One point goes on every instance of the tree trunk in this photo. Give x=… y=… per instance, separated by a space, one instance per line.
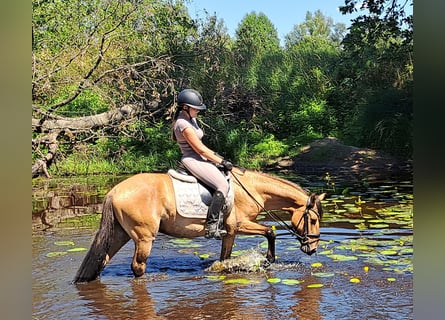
x=53 y=128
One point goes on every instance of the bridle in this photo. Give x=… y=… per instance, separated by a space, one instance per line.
x=305 y=239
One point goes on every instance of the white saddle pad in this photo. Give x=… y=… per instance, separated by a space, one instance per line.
x=192 y=198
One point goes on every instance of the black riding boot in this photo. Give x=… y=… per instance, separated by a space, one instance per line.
x=214 y=223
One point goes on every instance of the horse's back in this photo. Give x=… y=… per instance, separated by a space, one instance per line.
x=142 y=191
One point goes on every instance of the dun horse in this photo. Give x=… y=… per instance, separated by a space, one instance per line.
x=143 y=205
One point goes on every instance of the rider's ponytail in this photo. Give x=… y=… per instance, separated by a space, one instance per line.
x=175 y=117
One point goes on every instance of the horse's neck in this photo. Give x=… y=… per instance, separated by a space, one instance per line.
x=277 y=193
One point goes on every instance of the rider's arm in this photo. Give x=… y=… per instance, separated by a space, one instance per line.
x=199 y=147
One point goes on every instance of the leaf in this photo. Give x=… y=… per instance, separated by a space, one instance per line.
x=238 y=280
x=388 y=252
x=315 y=285
x=204 y=256
x=339 y=257
x=379 y=225
x=64 y=243
x=316 y=264
x=273 y=280
x=220 y=277
x=323 y=274
x=76 y=249
x=55 y=254
x=181 y=240
x=291 y=281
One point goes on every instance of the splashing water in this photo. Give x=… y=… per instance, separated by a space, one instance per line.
x=250 y=261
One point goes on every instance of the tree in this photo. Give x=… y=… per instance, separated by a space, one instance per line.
x=316 y=25
x=375 y=77
x=100 y=66
x=254 y=38
x=310 y=56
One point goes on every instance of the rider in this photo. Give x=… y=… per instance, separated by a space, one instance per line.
x=199 y=159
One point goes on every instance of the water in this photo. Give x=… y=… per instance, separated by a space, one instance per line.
x=371 y=227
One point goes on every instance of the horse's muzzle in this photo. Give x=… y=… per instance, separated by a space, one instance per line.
x=306 y=248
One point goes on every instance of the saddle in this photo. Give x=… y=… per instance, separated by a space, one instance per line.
x=192 y=196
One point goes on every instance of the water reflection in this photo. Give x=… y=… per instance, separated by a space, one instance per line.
x=223 y=303
x=196 y=297
x=307 y=304
x=57 y=199
x=176 y=285
x=114 y=303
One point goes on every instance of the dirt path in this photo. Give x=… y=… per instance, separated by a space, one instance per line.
x=348 y=162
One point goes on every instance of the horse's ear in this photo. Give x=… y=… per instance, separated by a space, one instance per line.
x=322 y=196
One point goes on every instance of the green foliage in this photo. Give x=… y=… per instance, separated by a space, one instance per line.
x=383 y=122
x=87 y=103
x=269 y=147
x=316 y=25
x=244 y=145
x=256 y=37
x=373 y=100
x=152 y=151
x=83 y=162
x=264 y=100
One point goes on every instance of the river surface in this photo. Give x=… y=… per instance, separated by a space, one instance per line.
x=362 y=270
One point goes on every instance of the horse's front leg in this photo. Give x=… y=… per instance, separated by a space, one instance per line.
x=227 y=246
x=249 y=227
x=229 y=239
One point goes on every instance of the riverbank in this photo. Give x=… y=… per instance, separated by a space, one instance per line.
x=331 y=156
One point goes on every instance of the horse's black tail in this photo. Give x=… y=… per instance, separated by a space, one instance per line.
x=95 y=259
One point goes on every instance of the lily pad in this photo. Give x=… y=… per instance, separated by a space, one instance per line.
x=325 y=252
x=181 y=240
x=323 y=274
x=340 y=257
x=291 y=282
x=316 y=264
x=379 y=225
x=238 y=281
x=354 y=280
x=388 y=252
x=64 y=243
x=315 y=285
x=220 y=277
x=273 y=280
x=237 y=253
x=55 y=254
x=76 y=249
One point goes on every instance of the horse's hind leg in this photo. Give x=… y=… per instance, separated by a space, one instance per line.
x=142 y=250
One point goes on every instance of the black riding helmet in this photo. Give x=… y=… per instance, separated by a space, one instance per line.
x=191 y=98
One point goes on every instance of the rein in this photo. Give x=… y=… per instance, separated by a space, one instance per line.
x=291 y=230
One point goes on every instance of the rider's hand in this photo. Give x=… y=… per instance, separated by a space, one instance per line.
x=227 y=165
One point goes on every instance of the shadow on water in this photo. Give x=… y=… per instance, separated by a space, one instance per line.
x=363 y=268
